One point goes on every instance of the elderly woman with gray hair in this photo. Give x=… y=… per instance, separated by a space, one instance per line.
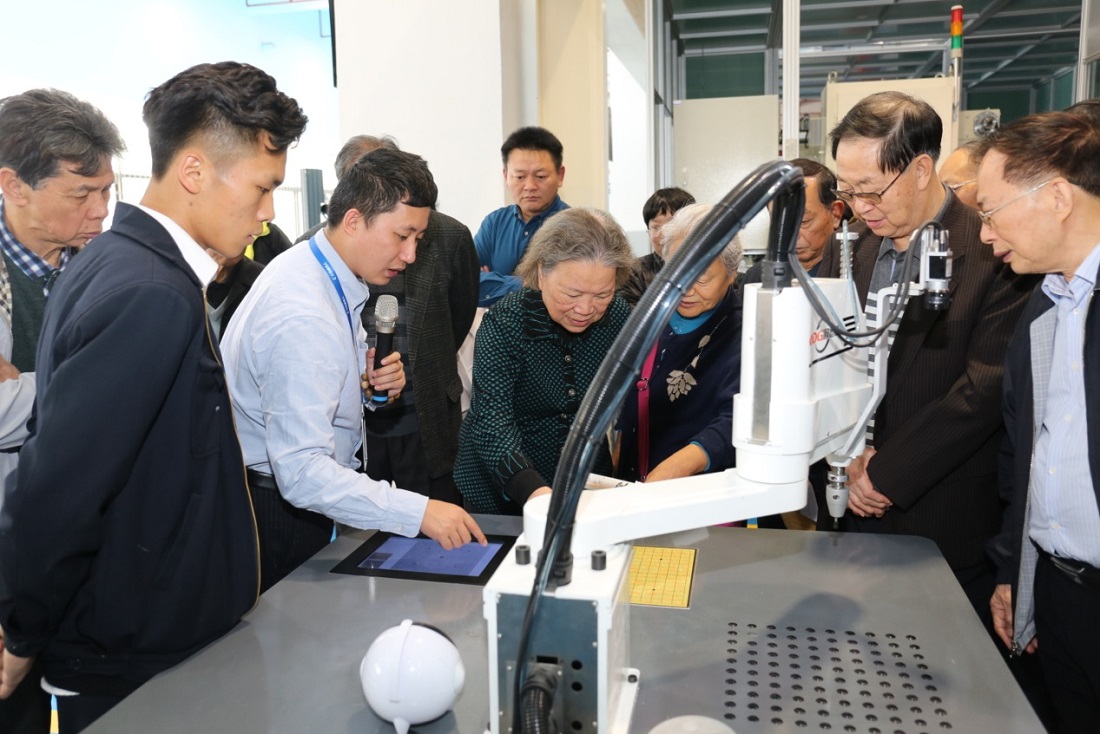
x=535 y=354
x=678 y=419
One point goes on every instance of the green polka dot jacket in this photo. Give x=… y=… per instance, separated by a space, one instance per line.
x=530 y=376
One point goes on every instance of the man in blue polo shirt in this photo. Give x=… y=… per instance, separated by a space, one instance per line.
x=533 y=173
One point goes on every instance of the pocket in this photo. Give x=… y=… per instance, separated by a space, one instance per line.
x=207 y=403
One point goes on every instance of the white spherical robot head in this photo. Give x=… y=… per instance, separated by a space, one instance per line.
x=411 y=674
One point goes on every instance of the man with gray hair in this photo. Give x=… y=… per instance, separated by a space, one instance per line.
x=55 y=183
x=932 y=468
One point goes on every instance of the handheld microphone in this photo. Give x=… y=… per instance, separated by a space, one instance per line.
x=385 y=324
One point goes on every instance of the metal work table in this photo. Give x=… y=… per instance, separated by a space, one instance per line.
x=787 y=631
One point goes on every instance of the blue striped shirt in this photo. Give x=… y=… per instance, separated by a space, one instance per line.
x=1064 y=518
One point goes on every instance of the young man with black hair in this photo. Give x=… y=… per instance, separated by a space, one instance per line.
x=133 y=455
x=295 y=353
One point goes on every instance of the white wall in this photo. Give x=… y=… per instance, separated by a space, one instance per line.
x=630 y=178
x=112 y=54
x=719 y=142
x=432 y=75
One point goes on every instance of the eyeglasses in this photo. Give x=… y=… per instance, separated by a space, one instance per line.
x=960 y=184
x=987 y=217
x=870 y=197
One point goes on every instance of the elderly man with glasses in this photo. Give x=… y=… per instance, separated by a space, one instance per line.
x=1040 y=185
x=959 y=172
x=931 y=469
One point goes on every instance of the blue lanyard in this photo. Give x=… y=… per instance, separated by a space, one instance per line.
x=331 y=273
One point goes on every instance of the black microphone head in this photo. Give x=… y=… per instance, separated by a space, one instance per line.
x=385 y=312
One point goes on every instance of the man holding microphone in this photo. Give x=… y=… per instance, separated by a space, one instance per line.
x=294 y=357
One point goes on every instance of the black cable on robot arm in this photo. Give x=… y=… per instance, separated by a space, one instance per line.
x=624 y=359
x=821 y=305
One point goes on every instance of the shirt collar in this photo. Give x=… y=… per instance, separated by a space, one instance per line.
x=555 y=205
x=914 y=243
x=356 y=290
x=193 y=254
x=1080 y=286
x=29 y=262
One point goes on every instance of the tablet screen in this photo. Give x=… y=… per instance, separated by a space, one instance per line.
x=395 y=556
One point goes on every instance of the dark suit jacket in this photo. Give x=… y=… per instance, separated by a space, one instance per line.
x=240 y=281
x=938 y=428
x=440 y=300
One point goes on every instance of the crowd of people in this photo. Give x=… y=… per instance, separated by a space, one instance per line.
x=191 y=407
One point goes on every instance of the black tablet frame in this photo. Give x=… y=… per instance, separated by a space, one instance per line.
x=350 y=564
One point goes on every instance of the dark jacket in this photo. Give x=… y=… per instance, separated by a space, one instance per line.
x=1014 y=556
x=441 y=298
x=704 y=413
x=645 y=269
x=128 y=542
x=939 y=426
x=233 y=290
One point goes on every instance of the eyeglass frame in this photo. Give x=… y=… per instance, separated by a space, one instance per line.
x=987 y=217
x=960 y=184
x=871 y=197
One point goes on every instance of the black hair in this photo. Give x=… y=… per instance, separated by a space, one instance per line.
x=228 y=102
x=532 y=138
x=907 y=126
x=41 y=129
x=826 y=179
x=1049 y=144
x=379 y=181
x=665 y=201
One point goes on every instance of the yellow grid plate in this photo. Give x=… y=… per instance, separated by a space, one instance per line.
x=661 y=577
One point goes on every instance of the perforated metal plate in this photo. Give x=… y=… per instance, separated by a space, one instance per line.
x=783 y=679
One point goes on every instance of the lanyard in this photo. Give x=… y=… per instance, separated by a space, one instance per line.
x=331 y=273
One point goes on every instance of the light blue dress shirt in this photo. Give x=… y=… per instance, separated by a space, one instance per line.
x=1064 y=519
x=294 y=378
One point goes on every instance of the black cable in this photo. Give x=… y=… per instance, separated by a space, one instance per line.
x=897 y=305
x=778 y=181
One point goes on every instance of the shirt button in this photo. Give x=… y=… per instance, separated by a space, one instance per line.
x=1069 y=419
x=1076 y=311
x=569 y=358
x=526 y=233
x=1054 y=525
x=1075 y=365
x=1051 y=470
x=565 y=416
x=571 y=392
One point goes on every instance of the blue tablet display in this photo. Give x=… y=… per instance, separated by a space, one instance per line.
x=419 y=555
